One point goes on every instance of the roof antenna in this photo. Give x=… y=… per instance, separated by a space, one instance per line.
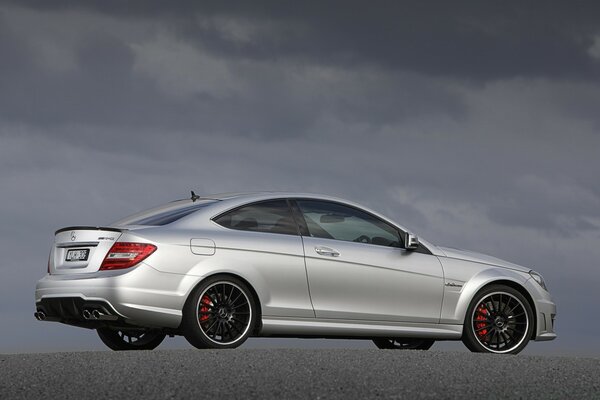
x=194 y=196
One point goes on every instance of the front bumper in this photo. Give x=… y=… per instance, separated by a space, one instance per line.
x=546 y=314
x=545 y=310
x=139 y=296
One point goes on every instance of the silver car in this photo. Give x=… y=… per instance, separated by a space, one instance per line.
x=219 y=269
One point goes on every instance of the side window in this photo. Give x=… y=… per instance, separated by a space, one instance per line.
x=335 y=221
x=269 y=216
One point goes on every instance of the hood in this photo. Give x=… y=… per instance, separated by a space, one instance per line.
x=481 y=258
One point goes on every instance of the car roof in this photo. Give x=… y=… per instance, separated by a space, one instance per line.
x=268 y=195
x=228 y=201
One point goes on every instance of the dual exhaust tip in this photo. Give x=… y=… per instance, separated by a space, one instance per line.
x=87 y=314
x=39 y=315
x=95 y=314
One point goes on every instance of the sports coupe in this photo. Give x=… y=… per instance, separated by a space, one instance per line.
x=219 y=269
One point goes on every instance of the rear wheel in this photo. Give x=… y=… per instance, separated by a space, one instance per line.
x=220 y=314
x=499 y=320
x=404 y=344
x=130 y=340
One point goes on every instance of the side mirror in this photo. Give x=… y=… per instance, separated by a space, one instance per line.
x=411 y=241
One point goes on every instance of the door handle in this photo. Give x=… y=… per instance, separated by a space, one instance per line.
x=326 y=251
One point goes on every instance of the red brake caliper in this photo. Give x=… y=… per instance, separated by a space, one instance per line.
x=205 y=305
x=481 y=316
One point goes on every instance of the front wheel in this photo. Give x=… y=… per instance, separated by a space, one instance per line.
x=404 y=344
x=119 y=340
x=499 y=320
x=221 y=313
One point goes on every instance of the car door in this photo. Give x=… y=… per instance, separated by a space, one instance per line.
x=261 y=239
x=358 y=269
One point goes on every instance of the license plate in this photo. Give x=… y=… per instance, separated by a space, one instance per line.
x=77 y=255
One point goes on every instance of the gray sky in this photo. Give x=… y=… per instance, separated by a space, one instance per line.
x=475 y=124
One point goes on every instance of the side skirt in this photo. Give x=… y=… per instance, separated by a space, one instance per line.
x=311 y=327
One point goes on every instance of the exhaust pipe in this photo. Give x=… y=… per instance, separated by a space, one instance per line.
x=101 y=315
x=39 y=315
x=86 y=314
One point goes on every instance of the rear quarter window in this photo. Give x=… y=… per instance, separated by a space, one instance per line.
x=269 y=216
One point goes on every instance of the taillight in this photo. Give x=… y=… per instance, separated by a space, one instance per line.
x=124 y=255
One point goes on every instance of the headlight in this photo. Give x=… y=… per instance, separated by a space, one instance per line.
x=539 y=279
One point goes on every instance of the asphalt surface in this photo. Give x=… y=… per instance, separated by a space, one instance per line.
x=295 y=373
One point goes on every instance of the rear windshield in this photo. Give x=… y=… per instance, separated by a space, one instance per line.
x=163 y=215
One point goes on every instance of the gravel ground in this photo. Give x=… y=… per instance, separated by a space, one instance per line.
x=295 y=373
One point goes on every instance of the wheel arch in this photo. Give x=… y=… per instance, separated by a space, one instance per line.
x=253 y=293
x=456 y=302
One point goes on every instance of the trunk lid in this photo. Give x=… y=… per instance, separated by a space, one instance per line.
x=81 y=249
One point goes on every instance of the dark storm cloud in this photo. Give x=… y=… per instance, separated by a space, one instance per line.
x=32 y=92
x=415 y=47
x=104 y=86
x=470 y=40
x=494 y=40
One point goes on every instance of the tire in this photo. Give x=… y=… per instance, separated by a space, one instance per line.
x=221 y=313
x=499 y=320
x=403 y=344
x=120 y=340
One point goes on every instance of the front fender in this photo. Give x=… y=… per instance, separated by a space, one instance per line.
x=473 y=277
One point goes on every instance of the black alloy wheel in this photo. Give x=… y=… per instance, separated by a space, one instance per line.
x=119 y=340
x=499 y=320
x=220 y=314
x=404 y=344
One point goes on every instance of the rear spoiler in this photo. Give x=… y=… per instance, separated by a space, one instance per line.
x=88 y=228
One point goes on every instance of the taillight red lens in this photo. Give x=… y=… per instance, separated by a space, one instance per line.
x=124 y=255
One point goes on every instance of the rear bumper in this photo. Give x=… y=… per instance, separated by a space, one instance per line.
x=72 y=311
x=139 y=296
